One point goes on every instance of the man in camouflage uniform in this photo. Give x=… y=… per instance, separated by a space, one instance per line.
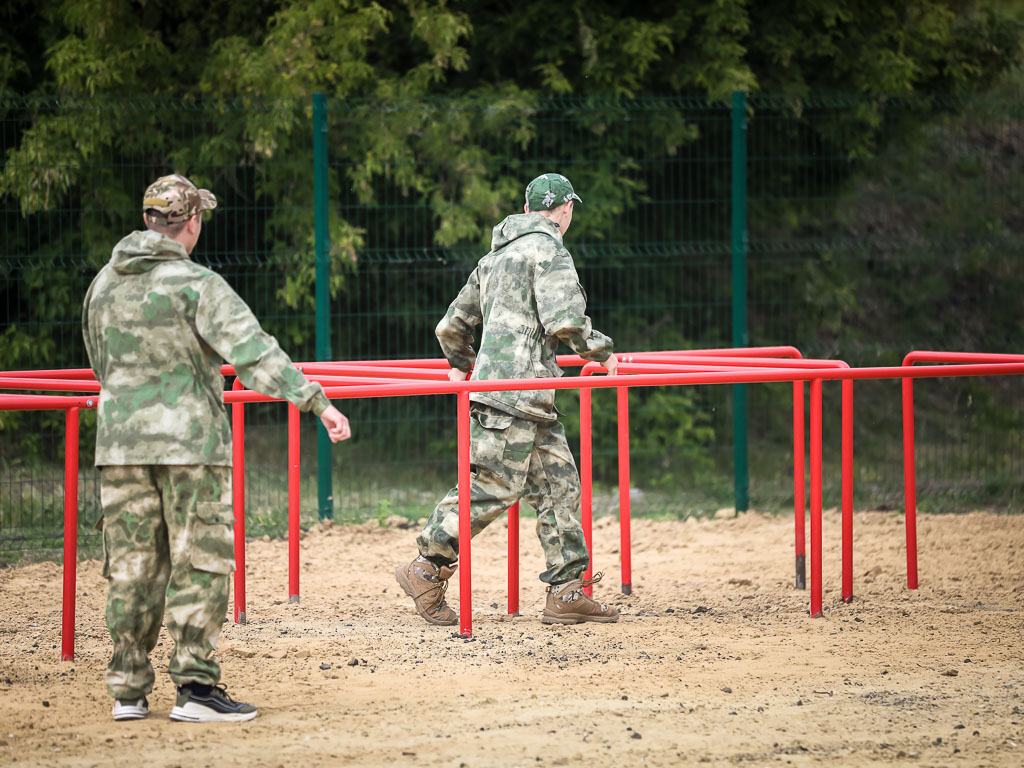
x=527 y=295
x=157 y=326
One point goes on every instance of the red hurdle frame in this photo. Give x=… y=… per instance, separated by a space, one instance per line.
x=909 y=480
x=373 y=386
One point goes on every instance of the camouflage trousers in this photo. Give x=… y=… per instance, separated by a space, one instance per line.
x=513 y=459
x=168 y=547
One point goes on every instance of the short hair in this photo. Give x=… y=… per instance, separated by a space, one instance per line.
x=170 y=230
x=550 y=210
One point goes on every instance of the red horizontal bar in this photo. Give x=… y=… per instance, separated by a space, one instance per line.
x=10 y=402
x=59 y=385
x=926 y=356
x=59 y=373
x=740 y=376
x=439 y=363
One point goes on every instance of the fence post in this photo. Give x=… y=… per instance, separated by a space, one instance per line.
x=739 y=293
x=324 y=450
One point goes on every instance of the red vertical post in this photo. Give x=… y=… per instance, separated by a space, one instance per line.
x=465 y=526
x=799 y=484
x=67 y=639
x=909 y=481
x=847 y=481
x=622 y=404
x=816 y=498
x=586 y=481
x=238 y=500
x=513 y=559
x=293 y=504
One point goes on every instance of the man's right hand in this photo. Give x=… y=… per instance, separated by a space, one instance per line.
x=610 y=365
x=336 y=424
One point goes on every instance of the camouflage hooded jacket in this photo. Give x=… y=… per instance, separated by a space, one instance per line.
x=157 y=326
x=528 y=297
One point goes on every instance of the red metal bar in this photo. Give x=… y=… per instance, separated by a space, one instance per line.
x=513 y=559
x=784 y=351
x=909 y=480
x=374 y=371
x=44 y=402
x=67 y=643
x=293 y=504
x=847 y=481
x=799 y=484
x=909 y=483
x=238 y=500
x=45 y=384
x=816 y=498
x=740 y=376
x=465 y=527
x=928 y=356
x=587 y=480
x=55 y=373
x=713 y=362
x=625 y=541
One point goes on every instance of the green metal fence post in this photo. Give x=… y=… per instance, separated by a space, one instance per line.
x=324 y=451
x=741 y=487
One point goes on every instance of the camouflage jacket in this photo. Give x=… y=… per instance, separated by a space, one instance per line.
x=528 y=297
x=157 y=326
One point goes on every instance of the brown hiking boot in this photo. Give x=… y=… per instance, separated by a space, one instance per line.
x=567 y=604
x=426 y=584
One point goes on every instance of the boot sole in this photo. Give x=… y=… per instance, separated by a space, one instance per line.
x=406 y=585
x=576 y=618
x=124 y=716
x=197 y=713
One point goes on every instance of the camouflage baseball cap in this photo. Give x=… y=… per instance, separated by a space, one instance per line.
x=549 y=191
x=173 y=199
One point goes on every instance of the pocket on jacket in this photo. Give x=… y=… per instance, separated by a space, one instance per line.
x=212 y=548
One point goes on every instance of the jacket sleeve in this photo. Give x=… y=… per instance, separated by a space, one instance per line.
x=455 y=331
x=226 y=323
x=562 y=307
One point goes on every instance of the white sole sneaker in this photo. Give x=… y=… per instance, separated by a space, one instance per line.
x=191 y=712
x=130 y=710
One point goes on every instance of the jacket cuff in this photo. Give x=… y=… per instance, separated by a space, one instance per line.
x=319 y=402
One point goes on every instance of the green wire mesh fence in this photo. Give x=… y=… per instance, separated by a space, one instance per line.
x=875 y=227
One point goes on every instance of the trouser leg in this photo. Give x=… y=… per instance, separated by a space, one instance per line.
x=553 y=489
x=500 y=447
x=197 y=507
x=137 y=567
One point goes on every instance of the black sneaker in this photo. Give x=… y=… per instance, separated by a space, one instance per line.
x=130 y=709
x=198 y=703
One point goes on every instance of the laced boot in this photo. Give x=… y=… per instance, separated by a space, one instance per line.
x=567 y=604
x=426 y=584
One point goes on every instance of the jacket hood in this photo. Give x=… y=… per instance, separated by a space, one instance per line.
x=519 y=224
x=141 y=251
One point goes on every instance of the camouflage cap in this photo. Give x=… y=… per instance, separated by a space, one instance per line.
x=173 y=199
x=549 y=190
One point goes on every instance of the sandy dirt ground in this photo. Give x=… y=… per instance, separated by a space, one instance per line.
x=715 y=660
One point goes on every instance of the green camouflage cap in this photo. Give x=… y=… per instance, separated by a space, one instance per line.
x=173 y=199
x=548 y=191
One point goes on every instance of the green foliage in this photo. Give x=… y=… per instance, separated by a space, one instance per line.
x=439 y=113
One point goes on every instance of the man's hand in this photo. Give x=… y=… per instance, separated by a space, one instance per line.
x=336 y=424
x=610 y=365
x=456 y=375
